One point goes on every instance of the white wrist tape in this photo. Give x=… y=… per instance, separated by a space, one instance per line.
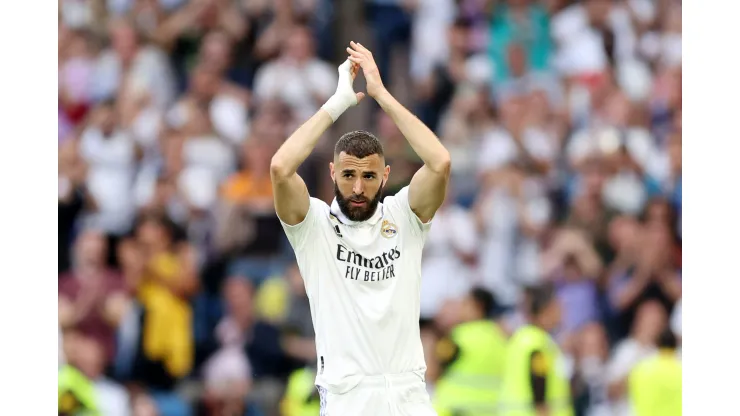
x=344 y=97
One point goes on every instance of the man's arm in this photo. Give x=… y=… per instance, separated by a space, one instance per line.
x=537 y=376
x=429 y=184
x=289 y=190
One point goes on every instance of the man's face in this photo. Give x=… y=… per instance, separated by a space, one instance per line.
x=239 y=297
x=151 y=233
x=650 y=320
x=216 y=50
x=469 y=309
x=123 y=38
x=204 y=83
x=553 y=314
x=358 y=184
x=91 y=249
x=298 y=45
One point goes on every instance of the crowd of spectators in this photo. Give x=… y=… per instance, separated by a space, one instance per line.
x=178 y=292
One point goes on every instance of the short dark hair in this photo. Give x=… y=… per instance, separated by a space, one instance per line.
x=667 y=340
x=359 y=144
x=484 y=300
x=539 y=297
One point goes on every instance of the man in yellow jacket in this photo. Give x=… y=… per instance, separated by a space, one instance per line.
x=301 y=396
x=472 y=361
x=535 y=381
x=655 y=385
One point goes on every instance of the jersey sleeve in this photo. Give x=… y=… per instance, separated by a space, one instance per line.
x=538 y=368
x=399 y=204
x=446 y=352
x=299 y=233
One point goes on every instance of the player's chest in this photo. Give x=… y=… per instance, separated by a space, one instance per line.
x=367 y=255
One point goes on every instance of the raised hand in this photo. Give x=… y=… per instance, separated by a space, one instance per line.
x=347 y=74
x=345 y=96
x=360 y=55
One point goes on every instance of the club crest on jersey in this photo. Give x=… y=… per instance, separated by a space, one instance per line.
x=388 y=230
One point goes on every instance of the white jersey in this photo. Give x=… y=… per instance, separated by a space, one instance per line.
x=363 y=282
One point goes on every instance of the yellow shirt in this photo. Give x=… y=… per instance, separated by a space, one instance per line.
x=655 y=386
x=167 y=331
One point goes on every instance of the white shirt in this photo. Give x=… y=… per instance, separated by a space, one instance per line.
x=363 y=282
x=508 y=258
x=112 y=398
x=626 y=356
x=429 y=45
x=307 y=82
x=112 y=166
x=150 y=72
x=580 y=47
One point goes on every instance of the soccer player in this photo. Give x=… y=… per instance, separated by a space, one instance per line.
x=361 y=259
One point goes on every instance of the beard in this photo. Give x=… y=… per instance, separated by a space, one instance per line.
x=354 y=213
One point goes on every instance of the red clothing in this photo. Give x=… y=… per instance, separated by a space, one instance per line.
x=94 y=324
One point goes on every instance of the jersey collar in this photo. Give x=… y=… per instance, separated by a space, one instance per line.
x=337 y=212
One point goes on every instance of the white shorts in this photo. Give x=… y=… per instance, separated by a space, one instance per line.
x=387 y=395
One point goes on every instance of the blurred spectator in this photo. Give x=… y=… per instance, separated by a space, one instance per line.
x=513 y=208
x=524 y=26
x=649 y=322
x=654 y=276
x=468 y=119
x=248 y=230
x=259 y=340
x=312 y=81
x=390 y=24
x=429 y=45
x=666 y=171
x=76 y=65
x=439 y=80
x=186 y=31
x=227 y=376
x=450 y=254
x=89 y=357
x=131 y=62
x=578 y=267
x=591 y=354
x=655 y=385
x=429 y=341
x=588 y=212
x=73 y=198
x=298 y=338
x=111 y=156
x=165 y=281
x=471 y=359
x=92 y=297
x=583 y=29
x=563 y=119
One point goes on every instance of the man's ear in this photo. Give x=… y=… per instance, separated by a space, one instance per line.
x=386 y=173
x=331 y=171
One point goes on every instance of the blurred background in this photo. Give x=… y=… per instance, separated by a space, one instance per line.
x=178 y=292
